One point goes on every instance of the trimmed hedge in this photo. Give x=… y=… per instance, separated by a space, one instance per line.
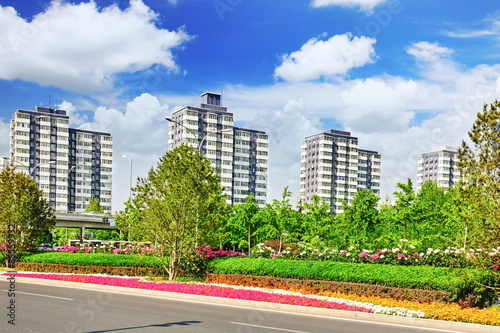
x=93 y=259
x=57 y=268
x=458 y=288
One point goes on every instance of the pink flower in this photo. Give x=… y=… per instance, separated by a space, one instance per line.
x=362 y=254
x=401 y=256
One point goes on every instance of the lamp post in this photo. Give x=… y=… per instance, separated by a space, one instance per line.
x=39 y=164
x=130 y=189
x=195 y=133
x=69 y=194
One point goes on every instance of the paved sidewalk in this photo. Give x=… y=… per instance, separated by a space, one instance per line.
x=346 y=315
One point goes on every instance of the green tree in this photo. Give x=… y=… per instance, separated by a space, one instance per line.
x=480 y=170
x=129 y=221
x=428 y=216
x=25 y=216
x=317 y=222
x=358 y=221
x=243 y=223
x=94 y=206
x=181 y=189
x=404 y=213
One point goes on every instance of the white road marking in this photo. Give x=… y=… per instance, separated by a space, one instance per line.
x=63 y=298
x=268 y=327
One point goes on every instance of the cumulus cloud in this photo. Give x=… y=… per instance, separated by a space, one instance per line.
x=140 y=132
x=286 y=126
x=81 y=47
x=326 y=58
x=364 y=5
x=75 y=118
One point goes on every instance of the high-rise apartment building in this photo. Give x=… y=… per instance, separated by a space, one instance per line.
x=334 y=168
x=239 y=155
x=69 y=165
x=439 y=166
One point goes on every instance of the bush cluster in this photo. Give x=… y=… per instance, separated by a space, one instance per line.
x=458 y=288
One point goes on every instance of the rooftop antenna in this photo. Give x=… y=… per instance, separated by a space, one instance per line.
x=50 y=98
x=221 y=90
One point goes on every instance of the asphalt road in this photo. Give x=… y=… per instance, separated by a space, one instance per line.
x=42 y=308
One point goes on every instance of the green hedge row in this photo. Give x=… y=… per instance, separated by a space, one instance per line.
x=458 y=285
x=93 y=259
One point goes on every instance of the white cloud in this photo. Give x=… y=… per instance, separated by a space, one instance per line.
x=318 y=58
x=81 y=47
x=139 y=131
x=286 y=126
x=75 y=119
x=364 y=5
x=429 y=52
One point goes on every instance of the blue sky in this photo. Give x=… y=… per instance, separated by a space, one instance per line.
x=404 y=76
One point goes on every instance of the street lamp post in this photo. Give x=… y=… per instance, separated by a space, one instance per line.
x=69 y=193
x=39 y=164
x=195 y=134
x=130 y=189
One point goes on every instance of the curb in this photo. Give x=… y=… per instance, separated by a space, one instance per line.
x=458 y=327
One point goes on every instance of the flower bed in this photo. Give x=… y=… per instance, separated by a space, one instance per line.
x=402 y=254
x=200 y=289
x=379 y=304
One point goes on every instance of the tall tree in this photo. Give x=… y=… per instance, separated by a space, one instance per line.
x=317 y=220
x=94 y=206
x=403 y=205
x=25 y=216
x=428 y=216
x=243 y=223
x=480 y=170
x=178 y=203
x=358 y=221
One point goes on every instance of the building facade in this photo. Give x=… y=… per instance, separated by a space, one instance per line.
x=69 y=165
x=439 y=165
x=239 y=155
x=334 y=168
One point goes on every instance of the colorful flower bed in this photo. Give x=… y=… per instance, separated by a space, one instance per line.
x=201 y=289
x=403 y=254
x=388 y=305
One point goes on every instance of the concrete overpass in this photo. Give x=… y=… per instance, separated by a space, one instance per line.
x=85 y=220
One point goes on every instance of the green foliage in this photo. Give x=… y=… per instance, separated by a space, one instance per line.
x=94 y=206
x=356 y=226
x=180 y=204
x=243 y=223
x=25 y=216
x=428 y=278
x=93 y=259
x=60 y=236
x=404 y=213
x=480 y=168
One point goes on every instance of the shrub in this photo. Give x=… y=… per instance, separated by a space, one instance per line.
x=93 y=259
